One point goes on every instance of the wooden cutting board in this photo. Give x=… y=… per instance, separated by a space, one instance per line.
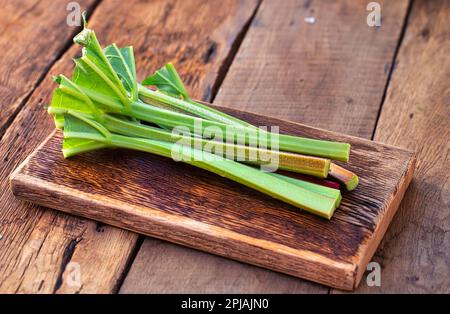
x=176 y=202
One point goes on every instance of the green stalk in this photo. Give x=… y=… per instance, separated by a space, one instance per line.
x=288 y=192
x=326 y=149
x=301 y=145
x=310 y=165
x=314 y=166
x=249 y=135
x=348 y=178
x=316 y=188
x=189 y=106
x=253 y=178
x=82 y=147
x=87 y=146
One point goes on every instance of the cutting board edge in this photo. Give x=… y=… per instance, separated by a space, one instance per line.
x=341 y=275
x=368 y=248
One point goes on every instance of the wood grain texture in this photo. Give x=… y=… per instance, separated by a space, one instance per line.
x=415 y=255
x=158 y=265
x=186 y=205
x=330 y=74
x=29 y=47
x=37 y=245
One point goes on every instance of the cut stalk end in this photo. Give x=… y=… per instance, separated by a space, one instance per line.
x=348 y=178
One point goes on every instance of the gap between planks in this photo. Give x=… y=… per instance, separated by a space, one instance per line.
x=224 y=68
x=393 y=65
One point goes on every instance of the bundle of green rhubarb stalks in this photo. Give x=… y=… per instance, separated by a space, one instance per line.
x=103 y=106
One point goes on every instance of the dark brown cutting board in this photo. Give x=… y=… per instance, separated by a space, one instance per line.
x=158 y=197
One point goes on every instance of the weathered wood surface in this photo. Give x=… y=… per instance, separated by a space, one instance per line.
x=415 y=254
x=24 y=267
x=29 y=47
x=329 y=74
x=36 y=244
x=158 y=269
x=186 y=205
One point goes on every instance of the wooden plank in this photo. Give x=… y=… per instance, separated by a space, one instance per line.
x=34 y=34
x=37 y=245
x=330 y=74
x=186 y=205
x=415 y=254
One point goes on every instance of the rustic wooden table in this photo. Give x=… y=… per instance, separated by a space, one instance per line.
x=387 y=83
